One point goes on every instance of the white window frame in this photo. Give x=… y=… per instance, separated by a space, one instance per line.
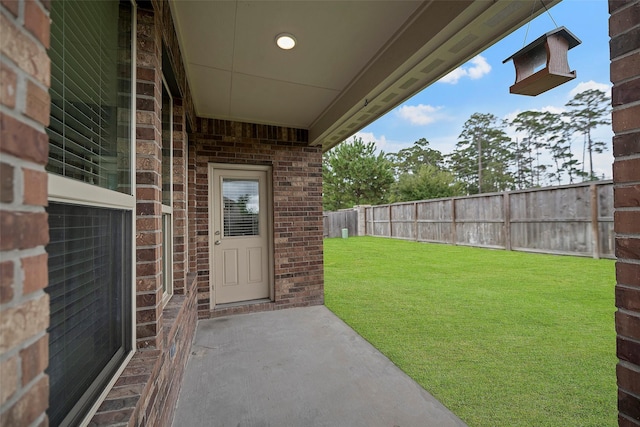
x=167 y=212
x=67 y=190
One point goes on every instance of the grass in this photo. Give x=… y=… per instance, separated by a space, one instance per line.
x=500 y=338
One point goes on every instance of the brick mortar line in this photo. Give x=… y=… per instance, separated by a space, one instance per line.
x=632 y=155
x=21 y=117
x=18 y=254
x=23 y=300
x=628 y=261
x=17 y=349
x=635 y=27
x=622 y=8
x=19 y=24
x=624 y=107
x=625 y=55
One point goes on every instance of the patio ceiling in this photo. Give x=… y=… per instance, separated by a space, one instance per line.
x=353 y=62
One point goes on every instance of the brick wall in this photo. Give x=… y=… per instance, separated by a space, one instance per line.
x=24 y=232
x=624 y=29
x=148 y=181
x=297 y=206
x=179 y=197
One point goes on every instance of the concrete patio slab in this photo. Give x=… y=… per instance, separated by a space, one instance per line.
x=297 y=367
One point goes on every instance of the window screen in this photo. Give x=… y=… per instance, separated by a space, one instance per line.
x=90 y=123
x=90 y=259
x=89 y=281
x=241 y=207
x=167 y=116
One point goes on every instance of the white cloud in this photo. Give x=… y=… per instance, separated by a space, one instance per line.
x=418 y=114
x=380 y=141
x=479 y=67
x=582 y=86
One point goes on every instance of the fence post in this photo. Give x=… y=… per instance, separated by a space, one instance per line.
x=415 y=220
x=507 y=221
x=595 y=229
x=390 y=223
x=454 y=236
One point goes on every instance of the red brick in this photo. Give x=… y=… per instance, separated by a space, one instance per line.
x=627 y=248
x=29 y=56
x=626 y=422
x=624 y=43
x=626 y=222
x=625 y=93
x=35 y=359
x=626 y=197
x=628 y=378
x=628 y=350
x=629 y=405
x=628 y=325
x=23 y=322
x=23 y=141
x=148 y=284
x=35 y=187
x=8 y=82
x=9 y=378
x=6 y=281
x=627 y=144
x=623 y=20
x=37 y=21
x=35 y=273
x=148 y=254
x=23 y=230
x=626 y=170
x=12 y=6
x=38 y=103
x=628 y=298
x=628 y=274
x=30 y=406
x=626 y=119
x=146 y=239
x=617 y=4
x=6 y=183
x=625 y=68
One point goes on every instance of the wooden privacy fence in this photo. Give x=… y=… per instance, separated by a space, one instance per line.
x=571 y=220
x=334 y=222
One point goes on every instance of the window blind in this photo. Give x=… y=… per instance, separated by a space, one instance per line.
x=90 y=124
x=89 y=258
x=241 y=207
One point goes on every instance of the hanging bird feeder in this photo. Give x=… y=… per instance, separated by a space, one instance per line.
x=549 y=50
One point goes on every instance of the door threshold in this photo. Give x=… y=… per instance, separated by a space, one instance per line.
x=241 y=303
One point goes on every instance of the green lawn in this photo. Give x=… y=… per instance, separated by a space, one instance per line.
x=500 y=338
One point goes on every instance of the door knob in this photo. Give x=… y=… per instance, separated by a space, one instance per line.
x=217 y=242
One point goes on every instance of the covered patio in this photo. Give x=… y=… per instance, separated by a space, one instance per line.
x=297 y=367
x=162 y=163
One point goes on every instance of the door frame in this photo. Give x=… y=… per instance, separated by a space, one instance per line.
x=210 y=209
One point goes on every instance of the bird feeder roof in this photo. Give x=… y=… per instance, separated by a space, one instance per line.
x=562 y=31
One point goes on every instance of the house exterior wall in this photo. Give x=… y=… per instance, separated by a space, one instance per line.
x=145 y=393
x=624 y=29
x=297 y=207
x=24 y=232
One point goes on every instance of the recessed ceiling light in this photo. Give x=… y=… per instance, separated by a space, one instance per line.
x=285 y=41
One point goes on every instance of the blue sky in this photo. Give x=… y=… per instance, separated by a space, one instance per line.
x=482 y=85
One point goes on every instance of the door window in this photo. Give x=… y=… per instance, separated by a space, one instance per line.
x=241 y=207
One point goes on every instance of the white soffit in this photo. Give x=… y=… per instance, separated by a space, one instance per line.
x=348 y=54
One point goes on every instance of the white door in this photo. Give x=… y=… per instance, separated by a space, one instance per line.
x=240 y=235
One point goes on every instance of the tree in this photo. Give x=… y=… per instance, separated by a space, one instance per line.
x=536 y=125
x=411 y=159
x=589 y=109
x=429 y=182
x=559 y=142
x=354 y=175
x=483 y=155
